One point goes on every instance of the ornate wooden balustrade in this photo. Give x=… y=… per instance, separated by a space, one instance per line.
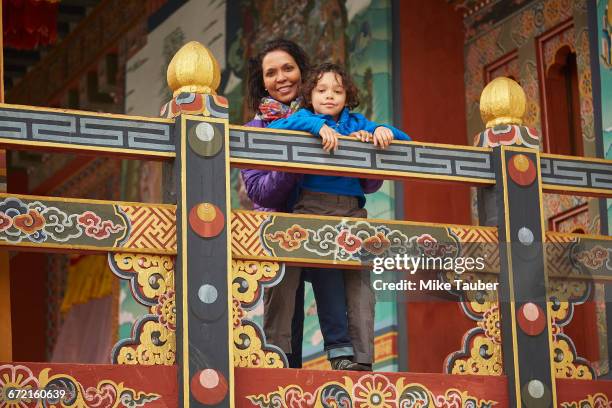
x=199 y=267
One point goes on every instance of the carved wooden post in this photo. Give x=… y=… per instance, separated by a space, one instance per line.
x=203 y=264
x=515 y=206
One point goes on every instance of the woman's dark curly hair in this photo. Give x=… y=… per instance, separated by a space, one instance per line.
x=255 y=85
x=352 y=93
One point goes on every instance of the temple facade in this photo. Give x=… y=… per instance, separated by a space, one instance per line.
x=422 y=66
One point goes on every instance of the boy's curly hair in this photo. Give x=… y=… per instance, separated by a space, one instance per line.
x=315 y=74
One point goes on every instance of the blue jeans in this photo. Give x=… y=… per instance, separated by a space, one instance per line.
x=284 y=313
x=334 y=323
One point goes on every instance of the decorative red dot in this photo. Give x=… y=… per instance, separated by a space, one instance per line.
x=206 y=220
x=521 y=170
x=209 y=386
x=531 y=319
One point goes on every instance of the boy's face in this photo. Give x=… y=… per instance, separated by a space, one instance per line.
x=329 y=96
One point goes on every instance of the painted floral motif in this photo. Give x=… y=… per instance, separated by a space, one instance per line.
x=430 y=247
x=567 y=364
x=489 y=43
x=598 y=400
x=481 y=352
x=508 y=135
x=165 y=310
x=481 y=355
x=95 y=227
x=238 y=313
x=5 y=222
x=557 y=203
x=557 y=10
x=29 y=223
x=349 y=242
x=40 y=222
x=291 y=239
x=377 y=244
x=354 y=241
x=529 y=81
x=151 y=279
x=249 y=278
x=525 y=27
x=106 y=394
x=16 y=377
x=594 y=258
x=374 y=391
x=368 y=391
x=511 y=69
x=152 y=344
x=491 y=324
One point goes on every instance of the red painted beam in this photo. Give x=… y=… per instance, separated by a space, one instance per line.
x=102 y=385
x=291 y=387
x=579 y=393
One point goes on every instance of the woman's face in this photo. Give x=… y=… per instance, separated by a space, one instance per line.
x=281 y=76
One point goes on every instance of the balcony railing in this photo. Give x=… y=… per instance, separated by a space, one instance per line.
x=199 y=266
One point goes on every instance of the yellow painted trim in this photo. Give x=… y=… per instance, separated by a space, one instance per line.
x=85 y=201
x=370 y=220
x=565 y=190
x=197 y=118
x=517 y=383
x=323 y=262
x=578 y=278
x=228 y=236
x=228 y=231
x=575 y=158
x=85 y=148
x=76 y=247
x=400 y=175
x=551 y=355
x=581 y=237
x=87 y=113
x=520 y=149
x=403 y=142
x=184 y=212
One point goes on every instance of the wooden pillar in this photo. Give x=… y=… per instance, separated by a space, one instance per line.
x=203 y=265
x=6 y=342
x=515 y=206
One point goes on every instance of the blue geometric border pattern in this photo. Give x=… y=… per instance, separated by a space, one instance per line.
x=85 y=130
x=435 y=161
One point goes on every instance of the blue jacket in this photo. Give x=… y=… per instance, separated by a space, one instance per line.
x=348 y=122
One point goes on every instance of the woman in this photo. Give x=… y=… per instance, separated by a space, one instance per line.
x=274 y=79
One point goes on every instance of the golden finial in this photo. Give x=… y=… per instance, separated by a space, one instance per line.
x=194 y=69
x=502 y=102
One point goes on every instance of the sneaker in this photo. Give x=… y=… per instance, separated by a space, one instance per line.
x=361 y=367
x=341 y=363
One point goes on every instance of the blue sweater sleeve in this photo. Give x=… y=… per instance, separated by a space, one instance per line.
x=368 y=125
x=303 y=120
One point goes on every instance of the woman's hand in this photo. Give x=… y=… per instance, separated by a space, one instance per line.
x=362 y=135
x=382 y=137
x=330 y=138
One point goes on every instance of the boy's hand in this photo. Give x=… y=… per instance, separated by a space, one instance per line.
x=330 y=138
x=362 y=135
x=382 y=137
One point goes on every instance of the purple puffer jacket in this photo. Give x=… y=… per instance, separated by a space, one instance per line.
x=272 y=191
